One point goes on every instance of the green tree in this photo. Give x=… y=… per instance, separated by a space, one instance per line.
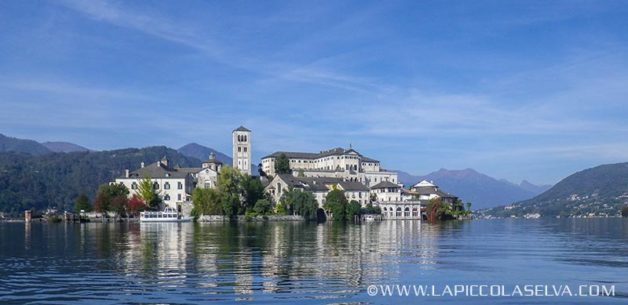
x=468 y=206
x=336 y=204
x=148 y=193
x=82 y=204
x=262 y=207
x=370 y=209
x=287 y=201
x=353 y=209
x=252 y=191
x=282 y=165
x=305 y=204
x=230 y=190
x=206 y=202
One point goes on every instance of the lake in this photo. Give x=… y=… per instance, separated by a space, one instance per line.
x=292 y=262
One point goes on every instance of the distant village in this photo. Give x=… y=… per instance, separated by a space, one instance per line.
x=360 y=178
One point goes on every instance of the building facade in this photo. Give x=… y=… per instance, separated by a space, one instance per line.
x=427 y=190
x=207 y=175
x=318 y=186
x=346 y=164
x=241 y=138
x=174 y=185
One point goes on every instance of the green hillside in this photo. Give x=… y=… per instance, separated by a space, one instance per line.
x=602 y=190
x=56 y=179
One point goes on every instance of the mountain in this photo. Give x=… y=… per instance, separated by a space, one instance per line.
x=56 y=179
x=479 y=189
x=601 y=190
x=406 y=178
x=537 y=189
x=64 y=147
x=201 y=152
x=9 y=144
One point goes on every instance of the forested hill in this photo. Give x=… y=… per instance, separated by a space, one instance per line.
x=56 y=179
x=602 y=190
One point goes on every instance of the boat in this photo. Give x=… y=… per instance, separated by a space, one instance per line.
x=167 y=215
x=369 y=217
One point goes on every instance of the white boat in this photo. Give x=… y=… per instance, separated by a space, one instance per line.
x=167 y=215
x=369 y=217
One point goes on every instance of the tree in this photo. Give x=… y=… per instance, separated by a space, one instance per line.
x=82 y=204
x=370 y=209
x=468 y=206
x=136 y=205
x=252 y=191
x=262 y=207
x=282 y=165
x=119 y=204
x=304 y=204
x=206 y=202
x=106 y=194
x=624 y=211
x=230 y=189
x=148 y=193
x=336 y=204
x=353 y=209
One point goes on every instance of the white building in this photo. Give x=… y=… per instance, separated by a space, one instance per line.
x=427 y=190
x=346 y=164
x=241 y=139
x=174 y=185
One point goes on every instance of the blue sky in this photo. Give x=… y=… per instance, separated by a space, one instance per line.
x=516 y=89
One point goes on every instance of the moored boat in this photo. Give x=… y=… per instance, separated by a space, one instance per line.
x=167 y=215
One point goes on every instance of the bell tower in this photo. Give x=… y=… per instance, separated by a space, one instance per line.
x=242 y=149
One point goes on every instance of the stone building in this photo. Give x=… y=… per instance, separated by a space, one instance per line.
x=241 y=139
x=318 y=186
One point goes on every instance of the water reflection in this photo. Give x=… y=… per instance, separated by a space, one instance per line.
x=266 y=258
x=290 y=262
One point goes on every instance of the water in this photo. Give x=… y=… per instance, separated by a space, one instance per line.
x=272 y=263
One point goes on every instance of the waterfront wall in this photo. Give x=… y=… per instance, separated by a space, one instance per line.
x=220 y=218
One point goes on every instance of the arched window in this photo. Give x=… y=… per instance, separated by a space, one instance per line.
x=134 y=186
x=156 y=185
x=167 y=186
x=406 y=212
x=167 y=197
x=398 y=214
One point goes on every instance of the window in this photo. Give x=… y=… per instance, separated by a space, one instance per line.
x=245 y=149
x=180 y=185
x=156 y=185
x=167 y=197
x=167 y=186
x=179 y=197
x=134 y=186
x=239 y=149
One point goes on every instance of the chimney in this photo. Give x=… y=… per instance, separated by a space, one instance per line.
x=142 y=165
x=126 y=173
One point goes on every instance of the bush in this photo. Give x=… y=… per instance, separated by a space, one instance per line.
x=262 y=207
